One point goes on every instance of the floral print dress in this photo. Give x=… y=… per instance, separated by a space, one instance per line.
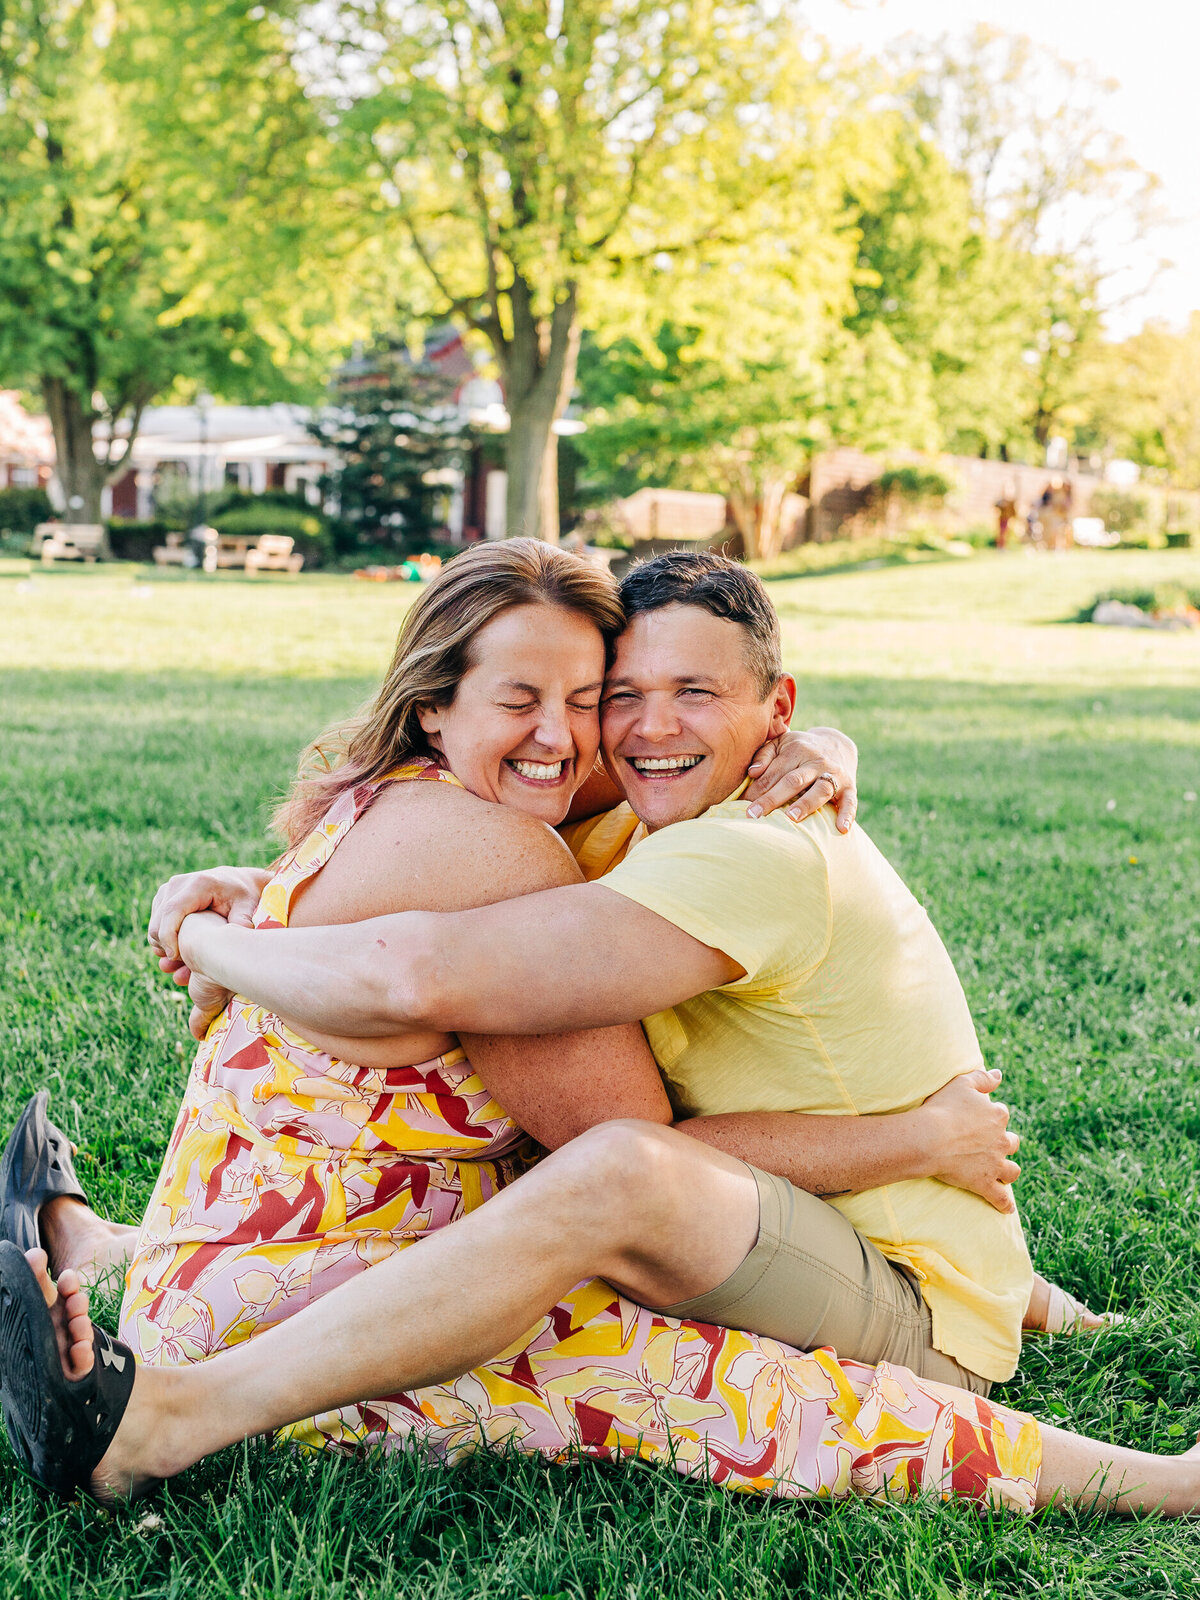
x=289 y=1171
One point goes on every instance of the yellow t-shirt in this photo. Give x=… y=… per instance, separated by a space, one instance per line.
x=850 y=1004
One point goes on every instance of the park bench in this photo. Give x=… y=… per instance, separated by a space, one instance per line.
x=264 y=552
x=68 y=541
x=273 y=553
x=175 y=553
x=225 y=550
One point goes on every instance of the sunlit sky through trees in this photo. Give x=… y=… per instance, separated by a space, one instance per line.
x=1149 y=49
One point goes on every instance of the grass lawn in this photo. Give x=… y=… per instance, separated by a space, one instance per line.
x=1035 y=782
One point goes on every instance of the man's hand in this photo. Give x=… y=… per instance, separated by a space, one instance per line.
x=809 y=770
x=970 y=1146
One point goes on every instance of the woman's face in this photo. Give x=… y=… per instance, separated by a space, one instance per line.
x=524 y=727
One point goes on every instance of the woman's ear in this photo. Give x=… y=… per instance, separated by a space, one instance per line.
x=783 y=707
x=430 y=718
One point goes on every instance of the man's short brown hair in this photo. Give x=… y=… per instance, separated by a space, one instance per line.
x=718 y=585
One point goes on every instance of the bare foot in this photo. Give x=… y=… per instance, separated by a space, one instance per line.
x=78 y=1240
x=1072 y=1317
x=133 y=1463
x=68 y=1304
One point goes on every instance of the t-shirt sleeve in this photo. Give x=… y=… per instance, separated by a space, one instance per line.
x=746 y=888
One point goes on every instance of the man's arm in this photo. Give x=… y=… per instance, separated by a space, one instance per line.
x=582 y=956
x=959 y=1135
x=366 y=979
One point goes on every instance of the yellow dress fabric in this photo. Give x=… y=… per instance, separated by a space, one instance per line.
x=290 y=1171
x=850 y=1004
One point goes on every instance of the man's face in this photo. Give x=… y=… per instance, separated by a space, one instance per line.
x=682 y=714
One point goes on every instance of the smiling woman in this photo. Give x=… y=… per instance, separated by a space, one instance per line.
x=518 y=743
x=503 y=587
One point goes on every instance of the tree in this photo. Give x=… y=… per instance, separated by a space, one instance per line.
x=534 y=153
x=1054 y=190
x=396 y=429
x=744 y=422
x=159 y=178
x=1144 y=400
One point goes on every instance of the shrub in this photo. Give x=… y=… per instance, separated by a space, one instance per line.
x=1180 y=539
x=22 y=509
x=1166 y=597
x=913 y=486
x=1123 y=510
x=302 y=523
x=980 y=535
x=135 y=541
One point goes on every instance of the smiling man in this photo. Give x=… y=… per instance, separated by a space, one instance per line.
x=777 y=968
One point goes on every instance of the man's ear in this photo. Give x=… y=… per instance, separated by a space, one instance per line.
x=783 y=705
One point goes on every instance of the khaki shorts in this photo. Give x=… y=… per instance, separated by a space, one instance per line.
x=812 y=1280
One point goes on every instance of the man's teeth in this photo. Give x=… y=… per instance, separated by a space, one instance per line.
x=664 y=763
x=535 y=769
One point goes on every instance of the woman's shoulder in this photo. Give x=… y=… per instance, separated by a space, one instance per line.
x=435 y=846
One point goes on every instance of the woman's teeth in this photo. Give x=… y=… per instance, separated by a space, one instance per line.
x=536 y=770
x=664 y=763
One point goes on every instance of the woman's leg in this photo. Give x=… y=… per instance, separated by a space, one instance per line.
x=805 y=1424
x=430 y=1313
x=1085 y=1472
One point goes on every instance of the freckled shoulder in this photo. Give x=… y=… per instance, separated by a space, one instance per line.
x=434 y=847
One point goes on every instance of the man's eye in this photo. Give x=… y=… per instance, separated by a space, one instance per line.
x=617 y=698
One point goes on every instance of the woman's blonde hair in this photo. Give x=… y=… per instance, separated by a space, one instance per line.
x=433 y=652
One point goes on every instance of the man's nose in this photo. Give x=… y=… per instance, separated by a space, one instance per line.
x=658 y=719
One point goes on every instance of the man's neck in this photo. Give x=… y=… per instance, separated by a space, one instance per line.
x=689 y=816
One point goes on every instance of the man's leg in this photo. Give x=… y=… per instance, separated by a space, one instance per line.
x=77 y=1238
x=813 y=1280
x=655 y=1213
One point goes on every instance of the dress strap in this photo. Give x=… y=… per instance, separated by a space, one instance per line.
x=307 y=858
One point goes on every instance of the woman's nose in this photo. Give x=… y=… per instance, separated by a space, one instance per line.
x=554 y=730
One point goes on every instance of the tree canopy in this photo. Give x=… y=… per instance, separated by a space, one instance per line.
x=767 y=246
x=157 y=216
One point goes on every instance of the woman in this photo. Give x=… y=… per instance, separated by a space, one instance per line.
x=290 y=1171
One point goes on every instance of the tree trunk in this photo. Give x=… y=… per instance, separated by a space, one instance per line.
x=743 y=506
x=770 y=516
x=757 y=509
x=539 y=371
x=82 y=477
x=531 y=461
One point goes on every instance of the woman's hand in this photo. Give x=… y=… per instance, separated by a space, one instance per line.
x=232 y=892
x=208 y=999
x=969 y=1144
x=805 y=771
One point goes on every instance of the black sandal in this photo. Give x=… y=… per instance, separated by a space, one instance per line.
x=58 y=1427
x=36 y=1167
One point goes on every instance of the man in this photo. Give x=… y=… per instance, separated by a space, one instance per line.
x=779 y=969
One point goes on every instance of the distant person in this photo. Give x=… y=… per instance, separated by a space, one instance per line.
x=1056 y=515
x=1006 y=511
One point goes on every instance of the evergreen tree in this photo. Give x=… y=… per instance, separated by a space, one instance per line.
x=396 y=429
